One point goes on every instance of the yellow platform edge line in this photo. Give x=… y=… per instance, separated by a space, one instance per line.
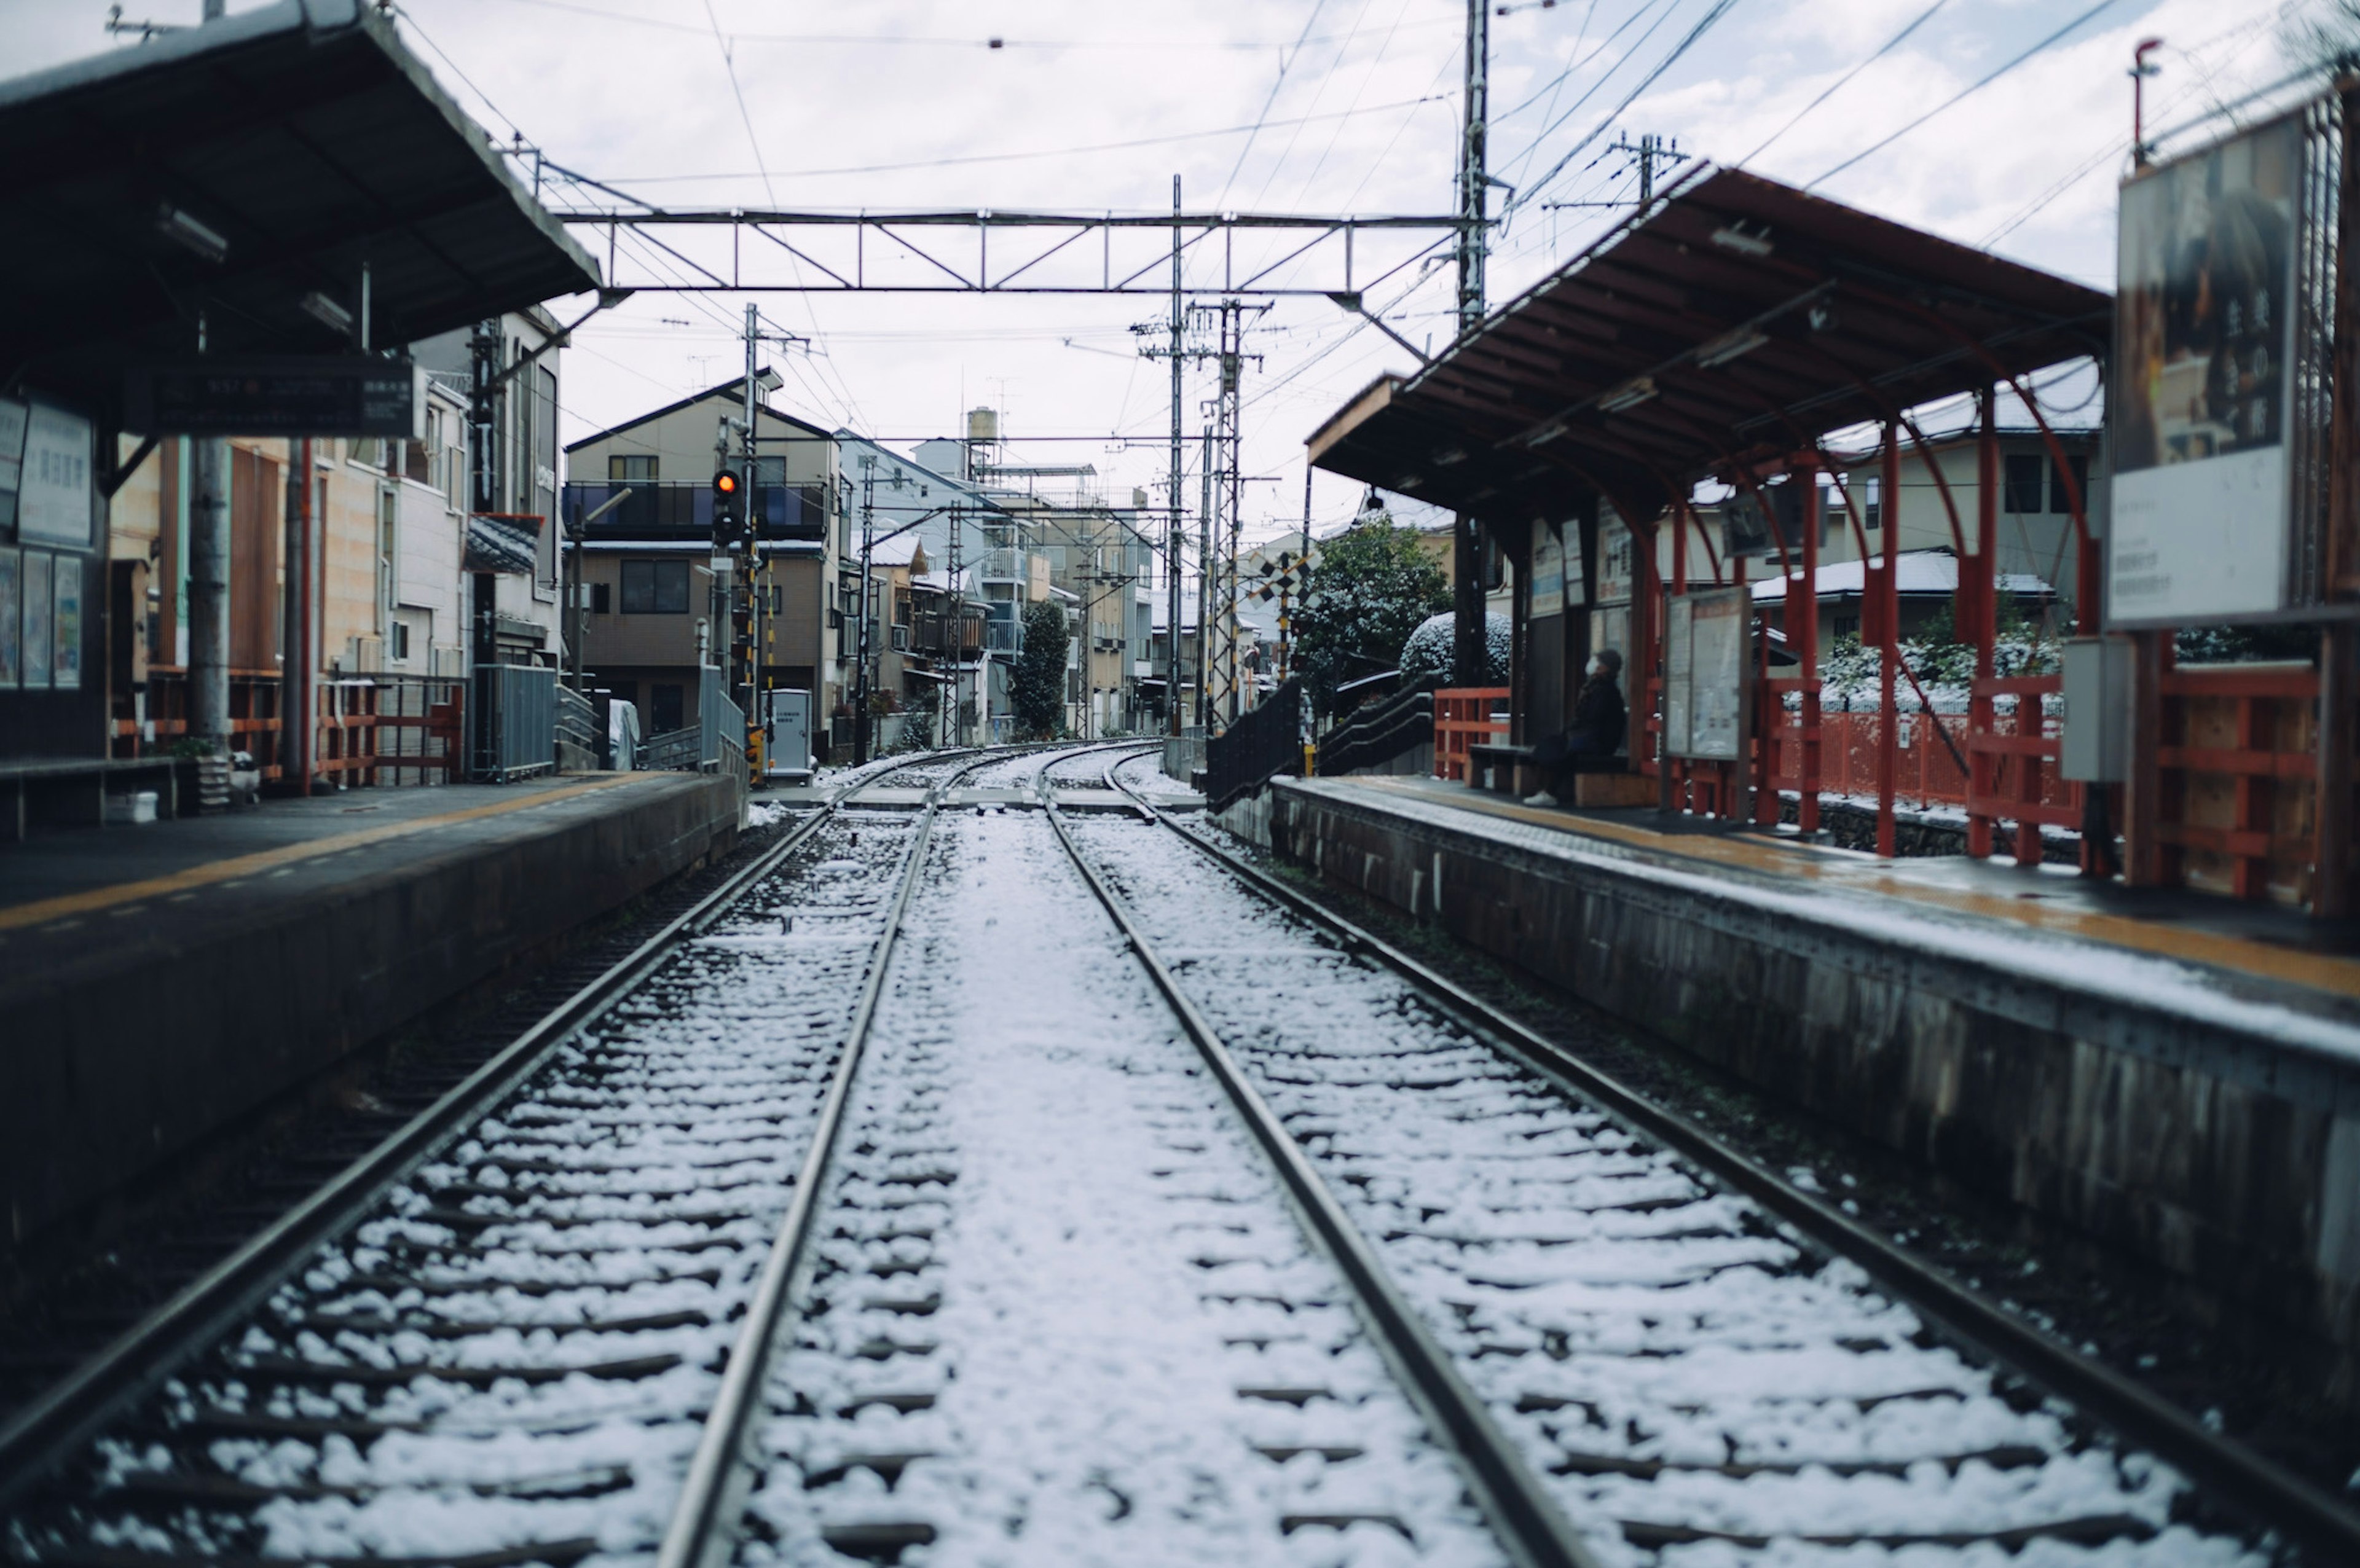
x=67 y=905
x=2320 y=971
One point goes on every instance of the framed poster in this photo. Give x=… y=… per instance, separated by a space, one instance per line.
x=2204 y=424
x=65 y=623
x=1548 y=572
x=53 y=503
x=39 y=583
x=1615 y=567
x=1705 y=670
x=12 y=463
x=11 y=619
x=1679 y=626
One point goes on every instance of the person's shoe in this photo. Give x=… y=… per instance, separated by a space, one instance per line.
x=1543 y=798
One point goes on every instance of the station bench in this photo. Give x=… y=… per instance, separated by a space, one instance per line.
x=1597 y=781
x=73 y=789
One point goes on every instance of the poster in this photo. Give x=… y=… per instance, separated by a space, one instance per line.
x=65 y=623
x=1679 y=626
x=1717 y=674
x=12 y=463
x=1615 y=569
x=1548 y=572
x=35 y=645
x=2201 y=383
x=11 y=619
x=54 y=504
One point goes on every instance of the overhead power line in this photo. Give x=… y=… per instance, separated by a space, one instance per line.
x=1962 y=92
x=1050 y=152
x=1284 y=61
x=1886 y=48
x=1705 y=23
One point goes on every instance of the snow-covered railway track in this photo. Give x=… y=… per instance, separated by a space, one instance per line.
x=1693 y=1353
x=1053 y=1306
x=493 y=1339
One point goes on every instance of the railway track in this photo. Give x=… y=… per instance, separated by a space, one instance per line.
x=554 y=1246
x=994 y=1186
x=1582 y=1359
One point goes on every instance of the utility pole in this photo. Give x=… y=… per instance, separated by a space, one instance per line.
x=1172 y=547
x=1474 y=190
x=1648 y=151
x=750 y=658
x=1205 y=586
x=1231 y=406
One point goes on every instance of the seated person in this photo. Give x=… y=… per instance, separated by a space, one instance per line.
x=1595 y=735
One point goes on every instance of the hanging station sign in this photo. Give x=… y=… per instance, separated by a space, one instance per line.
x=324 y=395
x=2220 y=389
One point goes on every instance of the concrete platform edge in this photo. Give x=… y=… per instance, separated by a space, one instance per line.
x=2230 y=1157
x=110 y=1073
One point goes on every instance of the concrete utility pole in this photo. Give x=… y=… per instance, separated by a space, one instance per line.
x=1172 y=547
x=1474 y=188
x=754 y=730
x=1648 y=151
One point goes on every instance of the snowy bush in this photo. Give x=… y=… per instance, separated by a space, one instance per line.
x=1427 y=657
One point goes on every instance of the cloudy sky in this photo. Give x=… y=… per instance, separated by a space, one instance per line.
x=1284 y=106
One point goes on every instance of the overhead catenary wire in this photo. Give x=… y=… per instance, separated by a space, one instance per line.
x=1705 y=23
x=1976 y=86
x=1840 y=82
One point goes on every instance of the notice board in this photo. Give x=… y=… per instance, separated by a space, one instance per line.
x=1704 y=675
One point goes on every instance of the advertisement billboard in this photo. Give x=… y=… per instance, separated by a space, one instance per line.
x=2209 y=439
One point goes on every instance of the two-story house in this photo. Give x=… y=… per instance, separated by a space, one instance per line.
x=652 y=602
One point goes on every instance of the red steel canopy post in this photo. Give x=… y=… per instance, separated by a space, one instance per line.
x=1881 y=593
x=1803 y=642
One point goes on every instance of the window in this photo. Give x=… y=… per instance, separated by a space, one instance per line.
x=1872 y=504
x=655 y=588
x=631 y=470
x=602 y=599
x=400 y=644
x=769 y=471
x=664 y=709
x=2022 y=490
x=2058 y=500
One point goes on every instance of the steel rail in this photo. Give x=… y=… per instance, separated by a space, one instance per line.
x=1532 y=1529
x=703 y=1533
x=2233 y=1470
x=50 y=1429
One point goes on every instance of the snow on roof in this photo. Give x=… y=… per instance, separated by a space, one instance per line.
x=1918 y=571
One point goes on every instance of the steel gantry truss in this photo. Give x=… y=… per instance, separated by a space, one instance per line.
x=952 y=252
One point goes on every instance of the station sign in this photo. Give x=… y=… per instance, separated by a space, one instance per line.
x=328 y=395
x=2219 y=422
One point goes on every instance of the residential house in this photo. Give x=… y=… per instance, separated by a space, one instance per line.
x=653 y=599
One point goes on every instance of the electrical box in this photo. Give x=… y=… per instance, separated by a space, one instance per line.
x=2097 y=735
x=788 y=719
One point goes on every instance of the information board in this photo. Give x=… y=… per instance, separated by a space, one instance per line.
x=284 y=396
x=1679 y=624
x=2204 y=423
x=53 y=503
x=1717 y=674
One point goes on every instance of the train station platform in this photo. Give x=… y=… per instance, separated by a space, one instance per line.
x=160 y=982
x=2175 y=1075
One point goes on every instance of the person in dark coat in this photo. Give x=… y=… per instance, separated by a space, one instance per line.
x=1596 y=731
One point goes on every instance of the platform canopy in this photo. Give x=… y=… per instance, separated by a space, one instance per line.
x=1731 y=324
x=235 y=169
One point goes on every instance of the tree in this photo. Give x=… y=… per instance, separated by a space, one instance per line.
x=1040 y=687
x=1368 y=592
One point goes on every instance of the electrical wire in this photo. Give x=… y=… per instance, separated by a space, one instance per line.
x=1886 y=48
x=1962 y=92
x=1712 y=16
x=739 y=92
x=1295 y=136
x=1285 y=61
x=1043 y=152
x=407 y=15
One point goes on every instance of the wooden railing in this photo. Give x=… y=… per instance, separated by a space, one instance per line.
x=1462 y=720
x=2237 y=788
